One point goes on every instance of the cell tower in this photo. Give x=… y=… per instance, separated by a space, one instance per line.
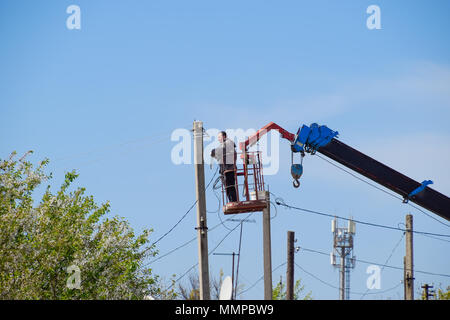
x=343 y=247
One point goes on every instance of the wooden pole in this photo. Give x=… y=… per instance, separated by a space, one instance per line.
x=290 y=266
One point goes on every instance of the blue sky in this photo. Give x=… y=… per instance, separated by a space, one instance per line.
x=104 y=100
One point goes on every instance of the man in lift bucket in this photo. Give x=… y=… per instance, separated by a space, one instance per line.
x=226 y=156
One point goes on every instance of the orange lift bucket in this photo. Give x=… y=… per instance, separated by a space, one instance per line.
x=248 y=178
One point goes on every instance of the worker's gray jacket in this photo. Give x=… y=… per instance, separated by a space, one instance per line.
x=225 y=154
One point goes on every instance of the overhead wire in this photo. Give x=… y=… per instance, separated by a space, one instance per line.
x=184 y=215
x=260 y=278
x=194 y=238
x=211 y=252
x=176 y=224
x=387 y=260
x=239 y=260
x=279 y=201
x=379 y=264
x=214 y=188
x=334 y=287
x=101 y=151
x=428 y=215
x=184 y=244
x=110 y=146
x=431 y=237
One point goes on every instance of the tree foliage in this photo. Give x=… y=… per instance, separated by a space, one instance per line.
x=443 y=294
x=191 y=291
x=438 y=294
x=279 y=291
x=39 y=242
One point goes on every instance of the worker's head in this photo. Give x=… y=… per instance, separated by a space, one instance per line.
x=222 y=136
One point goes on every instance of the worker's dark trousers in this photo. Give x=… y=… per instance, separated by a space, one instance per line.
x=229 y=185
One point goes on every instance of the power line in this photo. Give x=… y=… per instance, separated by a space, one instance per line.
x=217 y=197
x=315 y=277
x=171 y=251
x=178 y=222
x=280 y=202
x=215 y=187
x=239 y=259
x=184 y=274
x=262 y=277
x=100 y=152
x=387 y=260
x=229 y=232
x=120 y=144
x=184 y=216
x=220 y=242
x=334 y=287
x=379 y=264
x=417 y=208
x=376 y=187
x=428 y=236
x=184 y=244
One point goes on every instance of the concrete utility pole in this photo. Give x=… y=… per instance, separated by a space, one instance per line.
x=267 y=250
x=290 y=266
x=201 y=228
x=409 y=260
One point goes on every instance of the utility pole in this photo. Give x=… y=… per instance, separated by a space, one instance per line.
x=404 y=277
x=427 y=293
x=409 y=265
x=290 y=266
x=201 y=228
x=267 y=250
x=233 y=291
x=239 y=253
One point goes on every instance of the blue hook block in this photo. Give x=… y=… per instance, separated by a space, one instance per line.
x=296 y=171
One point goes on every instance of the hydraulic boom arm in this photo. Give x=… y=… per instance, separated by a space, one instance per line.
x=321 y=139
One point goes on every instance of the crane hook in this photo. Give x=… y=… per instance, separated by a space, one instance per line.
x=296 y=170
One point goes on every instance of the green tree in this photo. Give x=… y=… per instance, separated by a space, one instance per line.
x=440 y=294
x=191 y=291
x=443 y=294
x=279 y=291
x=41 y=245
